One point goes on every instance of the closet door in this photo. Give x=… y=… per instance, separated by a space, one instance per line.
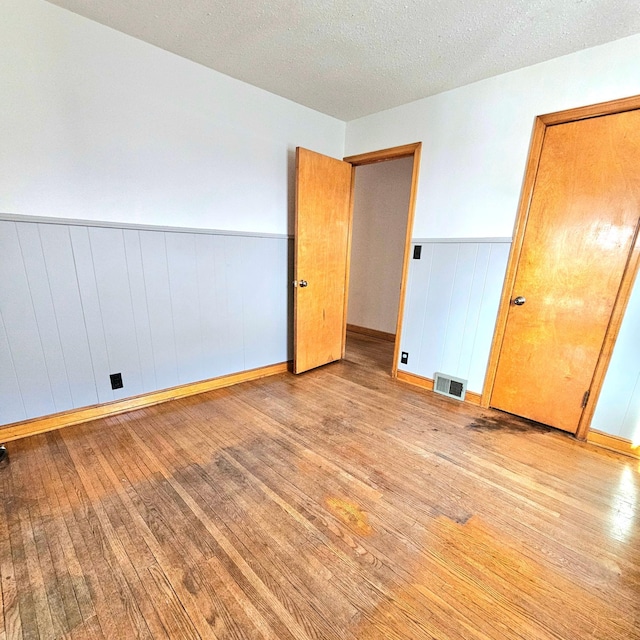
x=579 y=232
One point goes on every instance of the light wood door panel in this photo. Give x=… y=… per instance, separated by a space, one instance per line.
x=582 y=218
x=323 y=215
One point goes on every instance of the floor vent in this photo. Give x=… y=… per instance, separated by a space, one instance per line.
x=450 y=386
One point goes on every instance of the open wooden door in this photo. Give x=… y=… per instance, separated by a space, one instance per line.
x=322 y=228
x=579 y=233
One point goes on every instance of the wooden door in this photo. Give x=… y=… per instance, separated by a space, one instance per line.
x=322 y=227
x=582 y=218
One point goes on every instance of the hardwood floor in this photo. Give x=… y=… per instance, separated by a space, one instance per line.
x=338 y=504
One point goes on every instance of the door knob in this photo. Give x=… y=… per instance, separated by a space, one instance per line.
x=520 y=300
x=303 y=283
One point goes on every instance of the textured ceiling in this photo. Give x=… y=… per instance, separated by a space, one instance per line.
x=351 y=58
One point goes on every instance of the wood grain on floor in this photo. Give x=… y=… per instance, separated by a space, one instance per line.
x=338 y=504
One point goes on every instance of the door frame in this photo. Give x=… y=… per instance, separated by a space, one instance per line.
x=413 y=150
x=628 y=277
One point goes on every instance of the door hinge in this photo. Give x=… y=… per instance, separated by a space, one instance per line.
x=585 y=399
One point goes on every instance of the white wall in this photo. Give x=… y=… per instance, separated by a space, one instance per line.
x=380 y=209
x=476 y=138
x=475 y=145
x=453 y=294
x=618 y=410
x=97 y=125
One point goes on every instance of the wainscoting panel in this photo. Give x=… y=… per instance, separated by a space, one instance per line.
x=453 y=293
x=265 y=335
x=231 y=269
x=618 y=409
x=155 y=272
x=38 y=284
x=114 y=308
x=12 y=405
x=21 y=328
x=163 y=308
x=218 y=335
x=96 y=326
x=140 y=310
x=70 y=320
x=184 y=292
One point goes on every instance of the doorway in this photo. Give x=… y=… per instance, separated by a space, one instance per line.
x=381 y=195
x=322 y=248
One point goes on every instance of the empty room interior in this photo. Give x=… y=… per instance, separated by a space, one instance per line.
x=319 y=320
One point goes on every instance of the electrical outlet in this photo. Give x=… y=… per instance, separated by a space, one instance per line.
x=116 y=381
x=404 y=357
x=4 y=456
